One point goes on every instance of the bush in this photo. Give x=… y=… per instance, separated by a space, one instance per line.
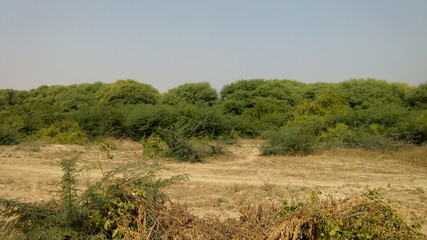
x=153 y=146
x=361 y=138
x=191 y=93
x=9 y=136
x=180 y=146
x=367 y=93
x=143 y=120
x=125 y=207
x=199 y=122
x=335 y=134
x=99 y=120
x=413 y=129
x=293 y=140
x=64 y=132
x=127 y=91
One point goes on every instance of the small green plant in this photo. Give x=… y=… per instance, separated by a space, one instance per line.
x=107 y=143
x=106 y=149
x=289 y=207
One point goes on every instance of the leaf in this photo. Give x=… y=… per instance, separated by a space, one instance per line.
x=115 y=232
x=107 y=225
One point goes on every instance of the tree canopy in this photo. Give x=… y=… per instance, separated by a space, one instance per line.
x=357 y=110
x=127 y=92
x=191 y=93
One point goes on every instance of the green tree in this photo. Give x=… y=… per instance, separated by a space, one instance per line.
x=418 y=97
x=78 y=96
x=127 y=92
x=10 y=97
x=44 y=94
x=30 y=117
x=191 y=93
x=242 y=95
x=240 y=86
x=328 y=102
x=366 y=93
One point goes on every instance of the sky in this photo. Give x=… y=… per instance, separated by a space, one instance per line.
x=169 y=43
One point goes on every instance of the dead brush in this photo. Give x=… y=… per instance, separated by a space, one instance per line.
x=178 y=223
x=254 y=223
x=364 y=217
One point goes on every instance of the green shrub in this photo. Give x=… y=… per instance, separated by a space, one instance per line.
x=126 y=203
x=153 y=146
x=367 y=93
x=64 y=132
x=335 y=134
x=360 y=138
x=191 y=93
x=240 y=127
x=199 y=122
x=9 y=136
x=413 y=129
x=99 y=120
x=143 y=120
x=293 y=140
x=31 y=117
x=180 y=146
x=127 y=91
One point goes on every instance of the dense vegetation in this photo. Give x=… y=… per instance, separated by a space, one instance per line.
x=294 y=117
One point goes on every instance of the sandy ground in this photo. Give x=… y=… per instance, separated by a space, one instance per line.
x=219 y=185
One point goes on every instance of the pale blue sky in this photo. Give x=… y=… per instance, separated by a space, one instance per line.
x=168 y=43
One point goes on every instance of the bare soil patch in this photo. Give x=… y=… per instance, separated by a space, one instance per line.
x=219 y=185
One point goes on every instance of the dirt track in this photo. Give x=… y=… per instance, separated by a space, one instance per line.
x=217 y=186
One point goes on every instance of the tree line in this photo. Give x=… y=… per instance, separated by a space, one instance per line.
x=294 y=117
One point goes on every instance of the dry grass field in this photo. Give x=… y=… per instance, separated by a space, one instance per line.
x=219 y=185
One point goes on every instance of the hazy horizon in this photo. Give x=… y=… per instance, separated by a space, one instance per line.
x=166 y=44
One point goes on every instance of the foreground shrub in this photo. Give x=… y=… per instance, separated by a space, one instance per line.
x=64 y=132
x=127 y=203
